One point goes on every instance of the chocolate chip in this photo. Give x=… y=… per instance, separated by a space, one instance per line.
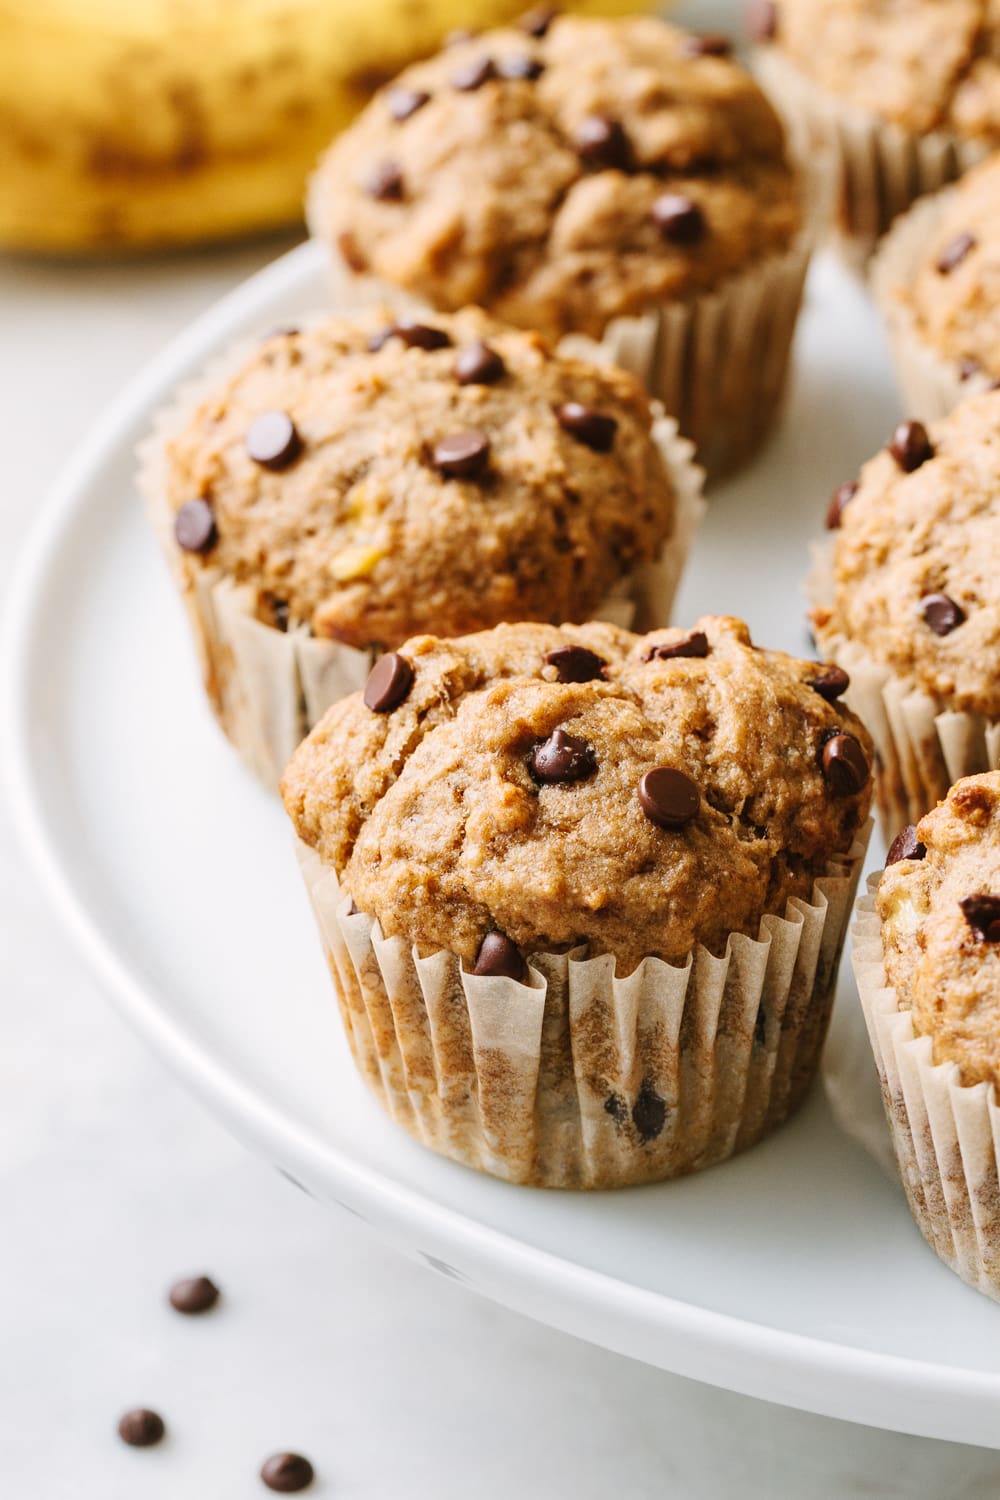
x=615 y=1106
x=195 y=1294
x=678 y=219
x=561 y=758
x=520 y=66
x=595 y=429
x=419 y=335
x=389 y=683
x=954 y=254
x=463 y=455
x=287 y=1473
x=844 y=765
x=404 y=102
x=942 y=614
x=499 y=956
x=762 y=20
x=194 y=527
x=384 y=183
x=910 y=446
x=905 y=845
x=537 y=22
x=141 y=1428
x=707 y=44
x=472 y=75
x=831 y=682
x=839 y=501
x=695 y=644
x=649 y=1113
x=279 y=614
x=968 y=367
x=351 y=252
x=601 y=141
x=273 y=440
x=983 y=915
x=669 y=798
x=575 y=664
x=478 y=364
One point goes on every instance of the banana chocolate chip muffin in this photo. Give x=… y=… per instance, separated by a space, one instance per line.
x=914 y=608
x=928 y=962
x=363 y=479
x=549 y=864
x=618 y=180
x=937 y=281
x=900 y=96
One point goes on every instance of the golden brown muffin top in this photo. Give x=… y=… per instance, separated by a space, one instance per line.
x=640 y=793
x=625 y=169
x=374 y=492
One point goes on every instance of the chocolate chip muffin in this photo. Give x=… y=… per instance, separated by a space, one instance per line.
x=900 y=96
x=928 y=963
x=615 y=180
x=937 y=281
x=502 y=824
x=356 y=481
x=912 y=609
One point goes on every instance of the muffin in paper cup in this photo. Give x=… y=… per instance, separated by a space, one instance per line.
x=628 y=990
x=359 y=489
x=562 y=191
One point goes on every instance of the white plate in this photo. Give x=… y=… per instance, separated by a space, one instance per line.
x=794 y=1273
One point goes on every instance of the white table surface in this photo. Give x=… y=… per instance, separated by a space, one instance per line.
x=398 y=1384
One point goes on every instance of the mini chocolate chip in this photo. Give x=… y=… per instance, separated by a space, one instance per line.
x=389 y=683
x=287 y=1473
x=472 y=75
x=649 y=1113
x=463 y=455
x=478 y=364
x=537 y=22
x=404 y=102
x=954 y=254
x=669 y=798
x=910 y=446
x=273 y=440
x=982 y=913
x=942 y=614
x=194 y=527
x=384 y=183
x=141 y=1428
x=968 y=367
x=762 y=20
x=520 y=66
x=695 y=644
x=562 y=757
x=844 y=765
x=195 y=1294
x=831 y=682
x=905 y=845
x=419 y=335
x=601 y=141
x=615 y=1106
x=595 y=429
x=839 y=501
x=678 y=219
x=279 y=614
x=575 y=664
x=707 y=44
x=499 y=956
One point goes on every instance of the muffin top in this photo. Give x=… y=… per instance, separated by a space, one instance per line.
x=922 y=64
x=564 y=179
x=550 y=785
x=940 y=911
x=917 y=558
x=955 y=294
x=371 y=479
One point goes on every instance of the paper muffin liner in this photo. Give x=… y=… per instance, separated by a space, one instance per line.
x=268 y=687
x=946 y=1134
x=930 y=384
x=576 y=1078
x=922 y=747
x=871 y=169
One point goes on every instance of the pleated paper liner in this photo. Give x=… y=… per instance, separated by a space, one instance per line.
x=946 y=1134
x=579 y=1079
x=922 y=747
x=269 y=687
x=931 y=385
x=874 y=169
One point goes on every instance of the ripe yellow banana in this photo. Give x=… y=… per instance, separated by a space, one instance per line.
x=138 y=123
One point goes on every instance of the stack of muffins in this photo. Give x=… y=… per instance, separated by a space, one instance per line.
x=582 y=877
